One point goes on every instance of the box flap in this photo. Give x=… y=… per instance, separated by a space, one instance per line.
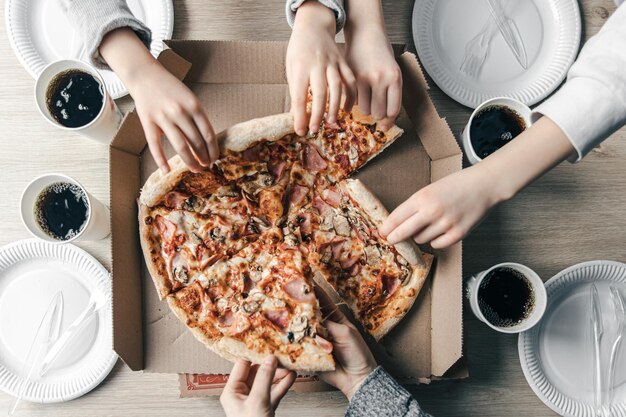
x=433 y=131
x=127 y=258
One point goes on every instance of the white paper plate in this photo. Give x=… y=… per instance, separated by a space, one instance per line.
x=551 y=30
x=31 y=272
x=40 y=33
x=556 y=355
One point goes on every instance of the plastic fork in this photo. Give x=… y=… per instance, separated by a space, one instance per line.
x=620 y=319
x=477 y=48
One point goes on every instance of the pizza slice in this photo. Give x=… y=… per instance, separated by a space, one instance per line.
x=256 y=303
x=379 y=282
x=350 y=144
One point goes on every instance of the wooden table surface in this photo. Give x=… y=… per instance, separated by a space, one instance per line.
x=573 y=214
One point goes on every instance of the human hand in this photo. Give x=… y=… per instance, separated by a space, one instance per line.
x=369 y=54
x=445 y=211
x=353 y=359
x=313 y=59
x=164 y=104
x=249 y=391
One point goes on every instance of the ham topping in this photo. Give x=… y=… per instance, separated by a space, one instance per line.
x=324 y=344
x=390 y=285
x=175 y=200
x=240 y=325
x=348 y=263
x=278 y=317
x=304 y=220
x=297 y=194
x=165 y=227
x=299 y=290
x=332 y=197
x=312 y=160
x=321 y=205
x=277 y=168
x=252 y=154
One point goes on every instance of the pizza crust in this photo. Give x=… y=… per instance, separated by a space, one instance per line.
x=232 y=349
x=241 y=136
x=375 y=210
x=236 y=138
x=152 y=254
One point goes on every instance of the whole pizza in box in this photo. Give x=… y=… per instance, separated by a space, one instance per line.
x=237 y=249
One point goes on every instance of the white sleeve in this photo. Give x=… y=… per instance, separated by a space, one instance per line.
x=591 y=105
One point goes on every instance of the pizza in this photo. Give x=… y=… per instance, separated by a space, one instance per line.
x=238 y=249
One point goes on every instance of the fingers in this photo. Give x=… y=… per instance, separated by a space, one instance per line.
x=298 y=87
x=447 y=239
x=394 y=98
x=318 y=105
x=329 y=308
x=195 y=139
x=342 y=333
x=350 y=87
x=239 y=373
x=433 y=231
x=181 y=146
x=410 y=227
x=399 y=215
x=201 y=120
x=279 y=390
x=153 y=137
x=263 y=380
x=379 y=101
x=364 y=97
x=334 y=91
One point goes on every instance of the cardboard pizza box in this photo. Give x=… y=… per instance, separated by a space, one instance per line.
x=238 y=81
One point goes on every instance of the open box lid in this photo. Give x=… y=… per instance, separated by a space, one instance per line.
x=238 y=81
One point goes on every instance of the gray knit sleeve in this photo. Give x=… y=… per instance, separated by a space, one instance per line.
x=93 y=19
x=334 y=5
x=381 y=396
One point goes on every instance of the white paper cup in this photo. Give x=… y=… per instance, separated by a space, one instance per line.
x=538 y=289
x=97 y=226
x=522 y=109
x=104 y=127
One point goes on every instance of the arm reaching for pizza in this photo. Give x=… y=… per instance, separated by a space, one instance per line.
x=255 y=390
x=445 y=211
x=313 y=59
x=578 y=117
x=164 y=104
x=369 y=54
x=371 y=391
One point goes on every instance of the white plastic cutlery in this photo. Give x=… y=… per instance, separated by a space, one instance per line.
x=620 y=319
x=509 y=32
x=597 y=330
x=47 y=333
x=98 y=299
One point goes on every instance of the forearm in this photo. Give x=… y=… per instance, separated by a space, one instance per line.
x=314 y=13
x=293 y=8
x=534 y=152
x=363 y=16
x=126 y=54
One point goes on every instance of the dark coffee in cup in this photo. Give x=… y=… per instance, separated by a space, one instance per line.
x=74 y=98
x=505 y=297
x=493 y=127
x=61 y=210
